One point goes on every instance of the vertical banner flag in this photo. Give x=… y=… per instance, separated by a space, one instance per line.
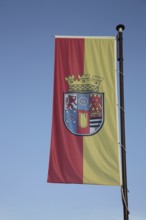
x=84 y=141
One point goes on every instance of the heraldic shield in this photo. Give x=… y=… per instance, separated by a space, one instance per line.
x=84 y=112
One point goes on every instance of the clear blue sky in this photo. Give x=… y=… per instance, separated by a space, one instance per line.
x=26 y=78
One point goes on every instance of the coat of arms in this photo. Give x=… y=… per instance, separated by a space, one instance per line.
x=84 y=105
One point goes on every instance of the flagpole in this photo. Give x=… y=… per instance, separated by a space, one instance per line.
x=120 y=28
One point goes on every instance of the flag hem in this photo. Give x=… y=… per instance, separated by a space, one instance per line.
x=117 y=112
x=91 y=37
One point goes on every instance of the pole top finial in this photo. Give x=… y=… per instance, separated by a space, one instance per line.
x=120 y=27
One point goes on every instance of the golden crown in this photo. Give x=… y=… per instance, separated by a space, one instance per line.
x=84 y=83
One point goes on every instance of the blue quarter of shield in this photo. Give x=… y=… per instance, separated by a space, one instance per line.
x=70 y=117
x=83 y=102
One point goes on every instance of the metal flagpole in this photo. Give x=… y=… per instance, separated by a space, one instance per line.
x=120 y=28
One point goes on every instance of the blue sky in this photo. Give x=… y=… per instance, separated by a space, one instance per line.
x=27 y=28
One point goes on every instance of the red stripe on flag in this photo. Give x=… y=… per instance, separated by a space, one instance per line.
x=66 y=154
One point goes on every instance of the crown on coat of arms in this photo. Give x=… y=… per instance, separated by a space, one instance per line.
x=84 y=83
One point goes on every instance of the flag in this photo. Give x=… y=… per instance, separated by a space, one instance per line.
x=84 y=141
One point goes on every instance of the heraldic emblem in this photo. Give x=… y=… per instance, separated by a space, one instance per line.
x=84 y=105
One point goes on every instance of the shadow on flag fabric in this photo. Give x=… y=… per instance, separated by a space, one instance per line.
x=84 y=141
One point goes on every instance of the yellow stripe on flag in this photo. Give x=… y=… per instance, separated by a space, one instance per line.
x=101 y=163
